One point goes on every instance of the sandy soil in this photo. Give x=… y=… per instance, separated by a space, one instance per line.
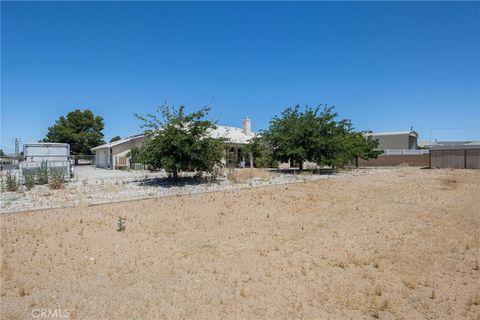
x=396 y=245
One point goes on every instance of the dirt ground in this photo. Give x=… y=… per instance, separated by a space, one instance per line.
x=402 y=244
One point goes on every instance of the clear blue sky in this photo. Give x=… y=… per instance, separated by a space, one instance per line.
x=387 y=66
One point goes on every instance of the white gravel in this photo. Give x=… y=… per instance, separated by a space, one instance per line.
x=94 y=186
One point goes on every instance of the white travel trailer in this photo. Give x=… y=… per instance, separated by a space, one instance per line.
x=55 y=155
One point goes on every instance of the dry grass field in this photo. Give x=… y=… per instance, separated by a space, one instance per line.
x=402 y=244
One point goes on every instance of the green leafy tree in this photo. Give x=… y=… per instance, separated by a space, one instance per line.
x=116 y=138
x=178 y=141
x=134 y=155
x=81 y=129
x=361 y=147
x=316 y=135
x=290 y=136
x=312 y=135
x=331 y=146
x=261 y=151
x=2 y=154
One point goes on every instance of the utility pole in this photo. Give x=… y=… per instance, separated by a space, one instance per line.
x=17 y=146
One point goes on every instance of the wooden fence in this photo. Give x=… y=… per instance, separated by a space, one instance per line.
x=468 y=158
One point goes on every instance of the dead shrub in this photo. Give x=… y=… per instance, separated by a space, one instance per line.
x=57 y=179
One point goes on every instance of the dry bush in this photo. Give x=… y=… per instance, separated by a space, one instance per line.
x=57 y=179
x=244 y=175
x=474 y=300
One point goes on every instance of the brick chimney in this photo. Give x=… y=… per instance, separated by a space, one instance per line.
x=247 y=126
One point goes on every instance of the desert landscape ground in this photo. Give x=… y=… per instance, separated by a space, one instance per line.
x=400 y=244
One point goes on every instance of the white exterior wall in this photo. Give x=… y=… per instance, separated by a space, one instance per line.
x=102 y=158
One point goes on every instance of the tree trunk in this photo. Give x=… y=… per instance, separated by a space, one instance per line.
x=300 y=165
x=356 y=162
x=175 y=174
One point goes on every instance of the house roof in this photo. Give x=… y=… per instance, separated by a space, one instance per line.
x=466 y=145
x=393 y=133
x=231 y=134
x=116 y=143
x=451 y=143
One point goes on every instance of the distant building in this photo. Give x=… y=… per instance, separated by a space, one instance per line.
x=437 y=143
x=395 y=140
x=114 y=155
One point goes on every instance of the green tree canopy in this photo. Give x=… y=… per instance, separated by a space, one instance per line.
x=361 y=147
x=261 y=151
x=116 y=138
x=81 y=129
x=316 y=135
x=178 y=141
x=290 y=136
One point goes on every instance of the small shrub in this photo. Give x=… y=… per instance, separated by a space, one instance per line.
x=121 y=224
x=42 y=174
x=2 y=185
x=57 y=179
x=29 y=182
x=11 y=182
x=265 y=162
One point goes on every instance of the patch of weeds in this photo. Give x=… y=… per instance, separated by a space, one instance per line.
x=121 y=224
x=476 y=267
x=475 y=300
x=29 y=182
x=409 y=284
x=22 y=292
x=11 y=182
x=42 y=174
x=385 y=305
x=57 y=179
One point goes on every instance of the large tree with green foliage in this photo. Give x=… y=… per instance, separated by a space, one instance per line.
x=82 y=130
x=261 y=152
x=178 y=141
x=316 y=135
x=291 y=135
x=362 y=147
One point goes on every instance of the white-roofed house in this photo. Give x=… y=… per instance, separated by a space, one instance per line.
x=114 y=155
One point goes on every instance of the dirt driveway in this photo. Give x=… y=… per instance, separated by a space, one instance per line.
x=396 y=245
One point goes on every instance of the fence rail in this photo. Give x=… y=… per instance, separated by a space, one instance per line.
x=404 y=152
x=84 y=160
